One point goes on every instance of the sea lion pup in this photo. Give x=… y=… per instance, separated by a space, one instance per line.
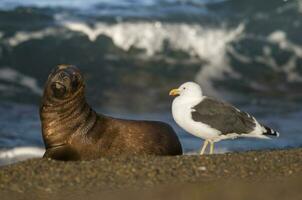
x=72 y=130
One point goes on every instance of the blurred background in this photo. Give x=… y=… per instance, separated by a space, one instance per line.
x=132 y=52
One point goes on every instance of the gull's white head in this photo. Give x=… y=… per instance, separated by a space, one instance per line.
x=188 y=89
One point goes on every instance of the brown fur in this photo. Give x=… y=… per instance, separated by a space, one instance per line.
x=73 y=131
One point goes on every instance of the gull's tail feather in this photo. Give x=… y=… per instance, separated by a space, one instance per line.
x=270 y=132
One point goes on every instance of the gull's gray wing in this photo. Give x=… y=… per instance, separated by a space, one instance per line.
x=223 y=117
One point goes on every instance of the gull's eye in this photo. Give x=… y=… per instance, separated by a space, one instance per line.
x=184 y=88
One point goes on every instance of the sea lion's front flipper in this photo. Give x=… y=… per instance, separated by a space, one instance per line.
x=63 y=153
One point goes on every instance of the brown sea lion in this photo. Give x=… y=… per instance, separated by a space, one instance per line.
x=72 y=130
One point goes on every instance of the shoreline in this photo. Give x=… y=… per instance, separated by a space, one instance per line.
x=134 y=172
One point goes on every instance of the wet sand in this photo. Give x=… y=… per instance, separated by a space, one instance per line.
x=192 y=175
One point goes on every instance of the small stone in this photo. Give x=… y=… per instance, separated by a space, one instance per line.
x=202 y=168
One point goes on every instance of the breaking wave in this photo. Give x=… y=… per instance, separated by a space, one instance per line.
x=205 y=43
x=12 y=76
x=215 y=46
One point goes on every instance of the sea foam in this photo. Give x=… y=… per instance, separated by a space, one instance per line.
x=19 y=154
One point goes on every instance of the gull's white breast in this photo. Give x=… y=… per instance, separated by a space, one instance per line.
x=182 y=113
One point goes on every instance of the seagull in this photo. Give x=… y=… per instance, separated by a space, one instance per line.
x=211 y=119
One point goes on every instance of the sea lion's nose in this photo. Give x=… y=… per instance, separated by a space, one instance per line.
x=58 y=89
x=57 y=85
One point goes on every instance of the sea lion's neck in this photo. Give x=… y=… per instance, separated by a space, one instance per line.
x=63 y=119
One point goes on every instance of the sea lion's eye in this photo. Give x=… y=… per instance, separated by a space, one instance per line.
x=75 y=82
x=66 y=78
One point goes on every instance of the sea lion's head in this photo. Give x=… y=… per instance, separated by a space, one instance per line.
x=64 y=82
x=63 y=100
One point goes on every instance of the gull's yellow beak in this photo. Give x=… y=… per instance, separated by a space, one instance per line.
x=174 y=92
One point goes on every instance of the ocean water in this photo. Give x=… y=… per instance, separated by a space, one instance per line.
x=132 y=52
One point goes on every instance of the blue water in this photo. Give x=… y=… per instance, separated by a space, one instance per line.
x=248 y=52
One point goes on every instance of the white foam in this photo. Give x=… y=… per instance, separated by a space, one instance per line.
x=288 y=68
x=217 y=69
x=193 y=38
x=14 y=76
x=23 y=36
x=19 y=154
x=300 y=6
x=218 y=62
x=208 y=44
x=279 y=37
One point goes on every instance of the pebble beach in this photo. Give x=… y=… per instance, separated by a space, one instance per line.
x=195 y=175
